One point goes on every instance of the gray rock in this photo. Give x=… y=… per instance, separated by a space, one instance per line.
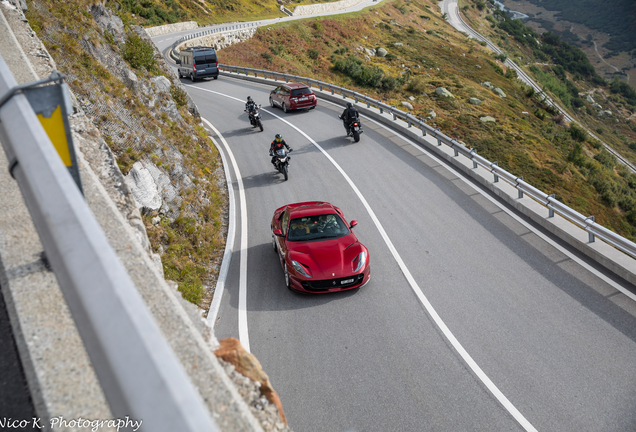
x=443 y=92
x=597 y=106
x=432 y=114
x=488 y=85
x=605 y=113
x=407 y=105
x=381 y=52
x=108 y=22
x=162 y=83
x=499 y=92
x=411 y=98
x=474 y=101
x=370 y=51
x=398 y=44
x=487 y=119
x=589 y=99
x=130 y=80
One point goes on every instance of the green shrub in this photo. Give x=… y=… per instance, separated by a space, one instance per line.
x=267 y=56
x=179 y=96
x=577 y=133
x=313 y=53
x=139 y=53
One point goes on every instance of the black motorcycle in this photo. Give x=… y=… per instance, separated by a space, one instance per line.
x=255 y=117
x=355 y=129
x=281 y=161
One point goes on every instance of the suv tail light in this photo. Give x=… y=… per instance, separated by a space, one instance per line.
x=194 y=68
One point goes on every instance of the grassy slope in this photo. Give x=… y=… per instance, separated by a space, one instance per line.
x=433 y=55
x=193 y=243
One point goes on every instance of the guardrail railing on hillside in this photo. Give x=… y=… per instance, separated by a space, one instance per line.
x=137 y=369
x=553 y=205
x=523 y=76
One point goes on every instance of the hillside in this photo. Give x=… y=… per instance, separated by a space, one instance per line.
x=424 y=53
x=606 y=34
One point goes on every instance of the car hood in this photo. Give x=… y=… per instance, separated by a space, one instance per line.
x=327 y=259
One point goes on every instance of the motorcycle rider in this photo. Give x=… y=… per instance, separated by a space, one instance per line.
x=250 y=106
x=348 y=115
x=278 y=144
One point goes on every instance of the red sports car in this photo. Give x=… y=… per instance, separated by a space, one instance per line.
x=317 y=248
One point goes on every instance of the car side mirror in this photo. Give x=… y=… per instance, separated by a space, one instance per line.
x=278 y=232
x=178 y=61
x=353 y=223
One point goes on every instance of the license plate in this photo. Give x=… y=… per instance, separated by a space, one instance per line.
x=303 y=98
x=201 y=70
x=346 y=281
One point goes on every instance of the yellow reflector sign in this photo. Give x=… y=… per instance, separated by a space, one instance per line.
x=54 y=127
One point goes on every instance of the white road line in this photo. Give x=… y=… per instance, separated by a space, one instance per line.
x=213 y=312
x=503 y=400
x=510 y=213
x=242 y=304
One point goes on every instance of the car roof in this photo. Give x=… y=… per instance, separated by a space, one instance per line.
x=295 y=85
x=310 y=208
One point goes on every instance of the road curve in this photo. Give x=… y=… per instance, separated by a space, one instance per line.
x=555 y=340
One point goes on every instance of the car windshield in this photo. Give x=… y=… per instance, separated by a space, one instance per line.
x=318 y=227
x=300 y=91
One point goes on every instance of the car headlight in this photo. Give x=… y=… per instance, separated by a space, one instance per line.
x=362 y=259
x=300 y=269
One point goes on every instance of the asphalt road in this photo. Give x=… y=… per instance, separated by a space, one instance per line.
x=555 y=343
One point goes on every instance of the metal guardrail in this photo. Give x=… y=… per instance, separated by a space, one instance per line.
x=554 y=206
x=139 y=373
x=526 y=78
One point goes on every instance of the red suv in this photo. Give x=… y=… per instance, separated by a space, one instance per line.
x=293 y=96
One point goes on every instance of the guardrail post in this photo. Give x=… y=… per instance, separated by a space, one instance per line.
x=550 y=209
x=394 y=116
x=381 y=110
x=495 y=174
x=286 y=79
x=454 y=141
x=517 y=185
x=590 y=234
x=472 y=153
x=320 y=87
x=332 y=92
x=439 y=141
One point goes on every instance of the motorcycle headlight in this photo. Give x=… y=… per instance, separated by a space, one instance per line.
x=362 y=260
x=300 y=269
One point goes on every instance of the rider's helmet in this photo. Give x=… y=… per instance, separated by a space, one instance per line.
x=249 y=98
x=349 y=105
x=279 y=137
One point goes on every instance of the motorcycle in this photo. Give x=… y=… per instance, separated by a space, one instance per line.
x=281 y=161
x=355 y=129
x=255 y=117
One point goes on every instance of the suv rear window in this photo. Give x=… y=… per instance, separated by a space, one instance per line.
x=204 y=59
x=300 y=91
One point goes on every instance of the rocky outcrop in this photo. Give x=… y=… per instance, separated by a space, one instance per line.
x=171 y=28
x=231 y=351
x=219 y=40
x=324 y=7
x=487 y=119
x=474 y=101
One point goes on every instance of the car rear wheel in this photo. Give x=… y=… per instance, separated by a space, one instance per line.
x=284 y=107
x=192 y=77
x=216 y=77
x=271 y=102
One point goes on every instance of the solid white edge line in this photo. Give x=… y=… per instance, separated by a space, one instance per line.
x=503 y=400
x=213 y=311
x=242 y=303
x=510 y=213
